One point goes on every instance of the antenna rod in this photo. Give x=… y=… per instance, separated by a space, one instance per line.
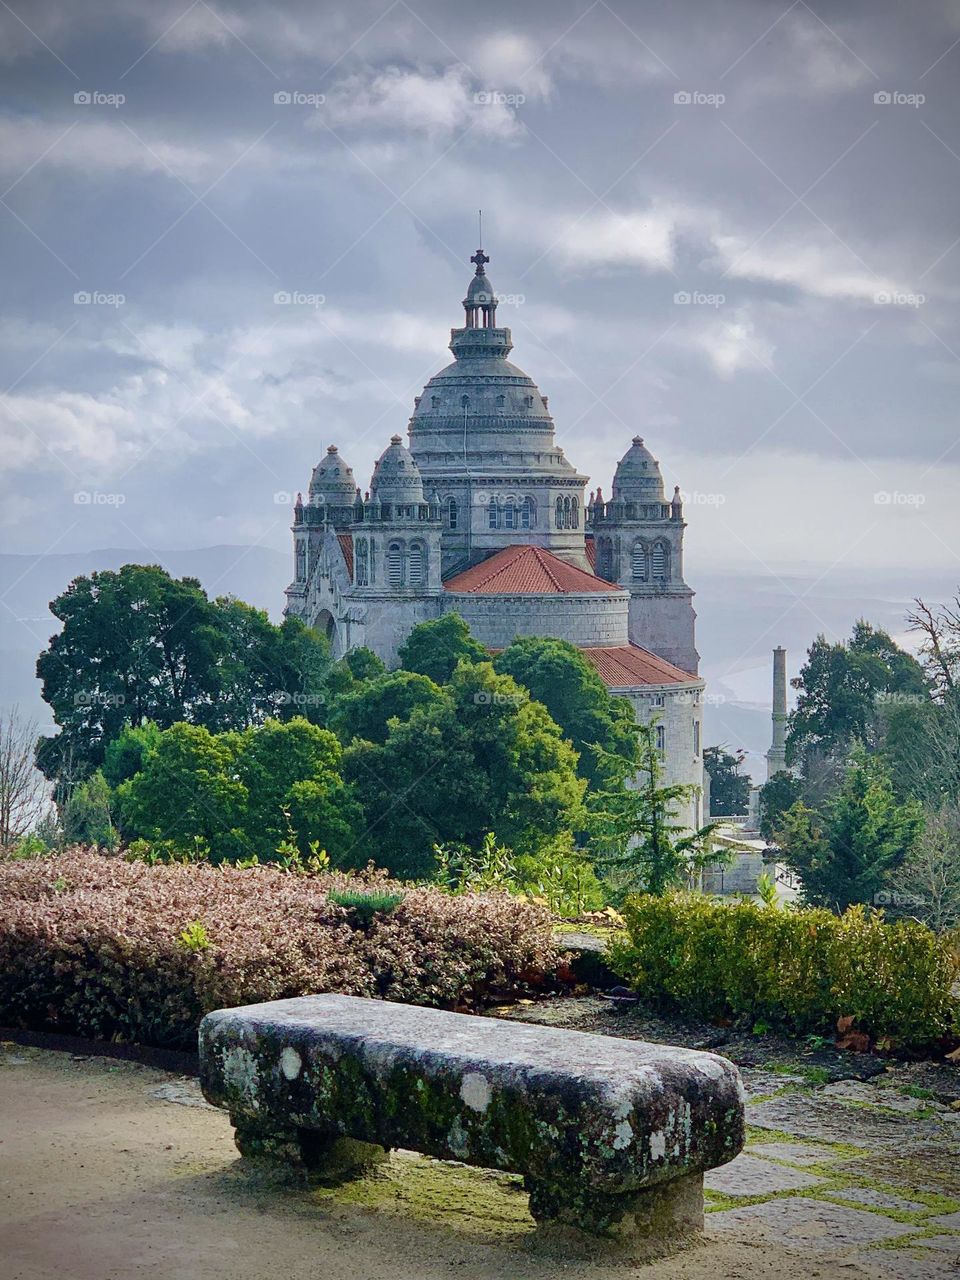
x=480 y=221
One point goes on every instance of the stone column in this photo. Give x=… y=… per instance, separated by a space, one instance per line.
x=777 y=755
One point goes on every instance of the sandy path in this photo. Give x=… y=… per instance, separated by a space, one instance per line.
x=99 y=1180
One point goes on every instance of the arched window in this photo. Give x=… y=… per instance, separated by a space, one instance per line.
x=559 y=515
x=528 y=513
x=638 y=562
x=415 y=566
x=453 y=513
x=493 y=515
x=362 y=568
x=301 y=561
x=395 y=564
x=510 y=515
x=434 y=402
x=661 y=739
x=604 y=560
x=659 y=562
x=464 y=402
x=574 y=514
x=501 y=401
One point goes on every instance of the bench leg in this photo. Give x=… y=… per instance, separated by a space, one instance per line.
x=665 y=1212
x=304 y=1151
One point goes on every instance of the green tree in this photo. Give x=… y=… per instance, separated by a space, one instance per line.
x=137 y=645
x=776 y=797
x=436 y=648
x=840 y=688
x=845 y=852
x=294 y=788
x=482 y=757
x=87 y=814
x=640 y=841
x=189 y=792
x=729 y=789
x=127 y=753
x=599 y=725
x=366 y=711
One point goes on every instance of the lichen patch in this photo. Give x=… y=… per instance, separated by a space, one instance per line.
x=475 y=1091
x=291 y=1064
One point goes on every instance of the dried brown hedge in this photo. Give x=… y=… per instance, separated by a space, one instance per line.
x=92 y=945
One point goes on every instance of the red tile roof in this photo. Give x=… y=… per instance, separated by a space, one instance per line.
x=623 y=666
x=346 y=546
x=591 y=544
x=523 y=570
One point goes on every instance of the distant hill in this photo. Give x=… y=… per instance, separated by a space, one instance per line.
x=740 y=619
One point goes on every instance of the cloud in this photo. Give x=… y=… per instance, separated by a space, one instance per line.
x=731 y=343
x=420 y=102
x=827 y=269
x=607 y=238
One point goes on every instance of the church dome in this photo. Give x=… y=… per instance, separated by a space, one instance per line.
x=396 y=476
x=332 y=481
x=637 y=477
x=480 y=291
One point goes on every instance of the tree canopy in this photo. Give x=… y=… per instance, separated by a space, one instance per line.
x=138 y=645
x=436 y=648
x=729 y=788
x=599 y=725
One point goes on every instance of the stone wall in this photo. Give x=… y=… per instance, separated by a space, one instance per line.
x=584 y=619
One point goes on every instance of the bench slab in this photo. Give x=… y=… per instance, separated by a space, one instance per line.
x=595 y=1124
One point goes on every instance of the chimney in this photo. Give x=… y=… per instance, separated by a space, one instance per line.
x=777 y=755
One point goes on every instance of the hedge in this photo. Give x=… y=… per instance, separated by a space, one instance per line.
x=799 y=970
x=97 y=946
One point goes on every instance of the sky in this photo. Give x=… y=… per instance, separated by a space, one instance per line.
x=233 y=233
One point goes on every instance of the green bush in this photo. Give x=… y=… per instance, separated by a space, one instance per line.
x=800 y=970
x=364 y=904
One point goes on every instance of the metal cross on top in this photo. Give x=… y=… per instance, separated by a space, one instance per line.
x=480 y=258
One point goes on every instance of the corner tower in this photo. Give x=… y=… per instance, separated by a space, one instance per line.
x=483 y=439
x=639 y=544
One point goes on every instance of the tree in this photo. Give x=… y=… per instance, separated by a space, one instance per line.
x=729 y=789
x=137 y=644
x=481 y=757
x=188 y=793
x=87 y=814
x=291 y=773
x=845 y=852
x=840 y=688
x=776 y=796
x=930 y=874
x=557 y=675
x=23 y=791
x=638 y=835
x=939 y=626
x=366 y=710
x=436 y=648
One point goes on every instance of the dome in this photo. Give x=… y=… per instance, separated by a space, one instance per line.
x=396 y=476
x=332 y=481
x=637 y=477
x=480 y=291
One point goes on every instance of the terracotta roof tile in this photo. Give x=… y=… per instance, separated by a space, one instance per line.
x=623 y=666
x=523 y=570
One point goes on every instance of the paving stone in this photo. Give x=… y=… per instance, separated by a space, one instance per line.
x=750 y=1176
x=813 y=1225
x=801 y=1153
x=880 y=1096
x=759 y=1084
x=949 y=1220
x=947 y=1244
x=807 y=1115
x=907 y=1264
x=879 y=1199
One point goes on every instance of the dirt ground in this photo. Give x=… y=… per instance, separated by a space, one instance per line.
x=117 y=1171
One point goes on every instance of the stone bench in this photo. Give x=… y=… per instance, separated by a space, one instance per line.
x=610 y=1135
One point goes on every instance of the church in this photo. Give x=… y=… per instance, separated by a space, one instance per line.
x=481 y=514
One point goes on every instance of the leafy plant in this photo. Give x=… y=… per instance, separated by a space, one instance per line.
x=193 y=937
x=365 y=904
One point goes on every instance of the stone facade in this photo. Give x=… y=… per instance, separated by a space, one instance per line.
x=483 y=483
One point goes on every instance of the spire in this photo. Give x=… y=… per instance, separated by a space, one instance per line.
x=480 y=304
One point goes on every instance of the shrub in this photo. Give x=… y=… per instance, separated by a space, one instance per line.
x=799 y=970
x=106 y=948
x=364 y=904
